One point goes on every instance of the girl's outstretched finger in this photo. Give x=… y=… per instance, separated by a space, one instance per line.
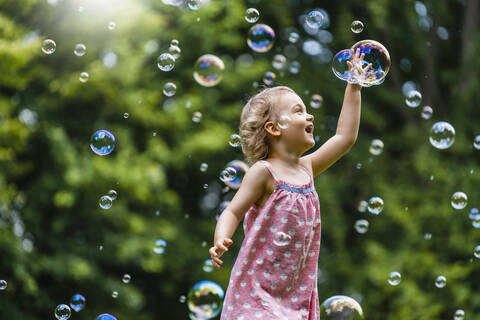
x=212 y=251
x=217 y=260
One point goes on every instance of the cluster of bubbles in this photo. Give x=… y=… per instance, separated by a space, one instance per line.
x=233 y=174
x=261 y=38
x=208 y=70
x=106 y=201
x=102 y=142
x=340 y=307
x=159 y=246
x=205 y=300
x=375 y=205
x=373 y=52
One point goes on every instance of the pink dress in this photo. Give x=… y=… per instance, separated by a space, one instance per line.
x=275 y=273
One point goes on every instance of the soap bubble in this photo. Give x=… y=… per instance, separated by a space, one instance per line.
x=357 y=26
x=169 y=89
x=159 y=246
x=207 y=265
x=427 y=112
x=126 y=115
x=174 y=42
x=261 y=38
x=3 y=284
x=197 y=117
x=476 y=252
x=376 y=147
x=62 y=312
x=194 y=4
x=279 y=62
x=269 y=78
x=375 y=205
x=228 y=174
x=166 y=62
x=284 y=122
x=83 y=77
x=106 y=316
x=413 y=99
x=241 y=168
x=293 y=37
x=112 y=194
x=459 y=315
x=174 y=51
x=49 y=46
x=378 y=56
x=208 y=70
x=362 y=206
x=203 y=167
x=339 y=64
x=315 y=19
x=294 y=67
x=205 y=300
x=126 y=278
x=102 y=142
x=316 y=101
x=476 y=142
x=252 y=15
x=394 y=278
x=361 y=226
x=235 y=140
x=77 y=302
x=111 y=25
x=114 y=294
x=459 y=200
x=474 y=214
x=282 y=239
x=182 y=299
x=174 y=3
x=340 y=308
x=442 y=135
x=105 y=202
x=440 y=282
x=80 y=50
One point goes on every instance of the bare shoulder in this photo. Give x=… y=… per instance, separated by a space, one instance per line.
x=257 y=173
x=306 y=161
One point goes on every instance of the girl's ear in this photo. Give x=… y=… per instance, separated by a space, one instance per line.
x=272 y=128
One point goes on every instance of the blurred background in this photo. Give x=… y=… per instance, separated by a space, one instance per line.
x=60 y=236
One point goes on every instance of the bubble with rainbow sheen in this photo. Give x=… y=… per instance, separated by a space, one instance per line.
x=205 y=300
x=261 y=38
x=341 y=308
x=77 y=303
x=80 y=49
x=339 y=64
x=315 y=19
x=378 y=56
x=169 y=89
x=208 y=70
x=241 y=168
x=442 y=135
x=159 y=246
x=316 y=101
x=102 y=142
x=106 y=316
x=228 y=174
x=62 y=312
x=207 y=265
x=269 y=78
x=105 y=202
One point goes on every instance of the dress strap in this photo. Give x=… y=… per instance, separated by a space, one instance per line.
x=270 y=169
x=308 y=172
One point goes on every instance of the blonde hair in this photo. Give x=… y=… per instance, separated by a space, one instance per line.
x=258 y=110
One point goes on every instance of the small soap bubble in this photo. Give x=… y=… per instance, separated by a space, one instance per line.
x=235 y=140
x=413 y=99
x=80 y=49
x=83 y=77
x=49 y=46
x=208 y=70
x=294 y=67
x=62 y=312
x=194 y=4
x=77 y=303
x=459 y=200
x=205 y=300
x=197 y=117
x=359 y=166
x=126 y=278
x=279 y=62
x=169 y=89
x=361 y=226
x=102 y=142
x=175 y=51
x=203 y=167
x=3 y=284
x=105 y=202
x=241 y=168
x=126 y=115
x=375 y=205
x=112 y=194
x=182 y=299
x=160 y=246
x=100 y=248
x=476 y=252
x=316 y=101
x=459 y=315
x=376 y=147
x=362 y=206
x=228 y=174
x=442 y=135
x=284 y=122
x=269 y=78
x=440 y=282
x=252 y=15
x=207 y=265
x=107 y=316
x=293 y=37
x=114 y=294
x=427 y=112
x=261 y=38
x=340 y=308
x=111 y=25
x=174 y=42
x=474 y=214
x=166 y=62
x=357 y=26
x=315 y=19
x=394 y=278
x=282 y=239
x=427 y=236
x=476 y=142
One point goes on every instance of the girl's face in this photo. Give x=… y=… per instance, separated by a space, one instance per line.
x=295 y=123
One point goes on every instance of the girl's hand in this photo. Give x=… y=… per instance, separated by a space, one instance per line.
x=356 y=66
x=218 y=250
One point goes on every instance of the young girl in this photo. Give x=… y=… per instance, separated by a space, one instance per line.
x=275 y=273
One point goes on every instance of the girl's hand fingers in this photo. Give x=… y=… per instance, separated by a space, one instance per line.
x=227 y=242
x=217 y=260
x=349 y=64
x=212 y=251
x=362 y=56
x=368 y=67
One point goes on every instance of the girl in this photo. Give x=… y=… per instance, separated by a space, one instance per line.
x=275 y=273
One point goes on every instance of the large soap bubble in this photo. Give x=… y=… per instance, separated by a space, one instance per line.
x=261 y=38
x=102 y=142
x=373 y=52
x=340 y=308
x=205 y=300
x=208 y=70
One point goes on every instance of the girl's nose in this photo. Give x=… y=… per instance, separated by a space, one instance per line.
x=309 y=117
